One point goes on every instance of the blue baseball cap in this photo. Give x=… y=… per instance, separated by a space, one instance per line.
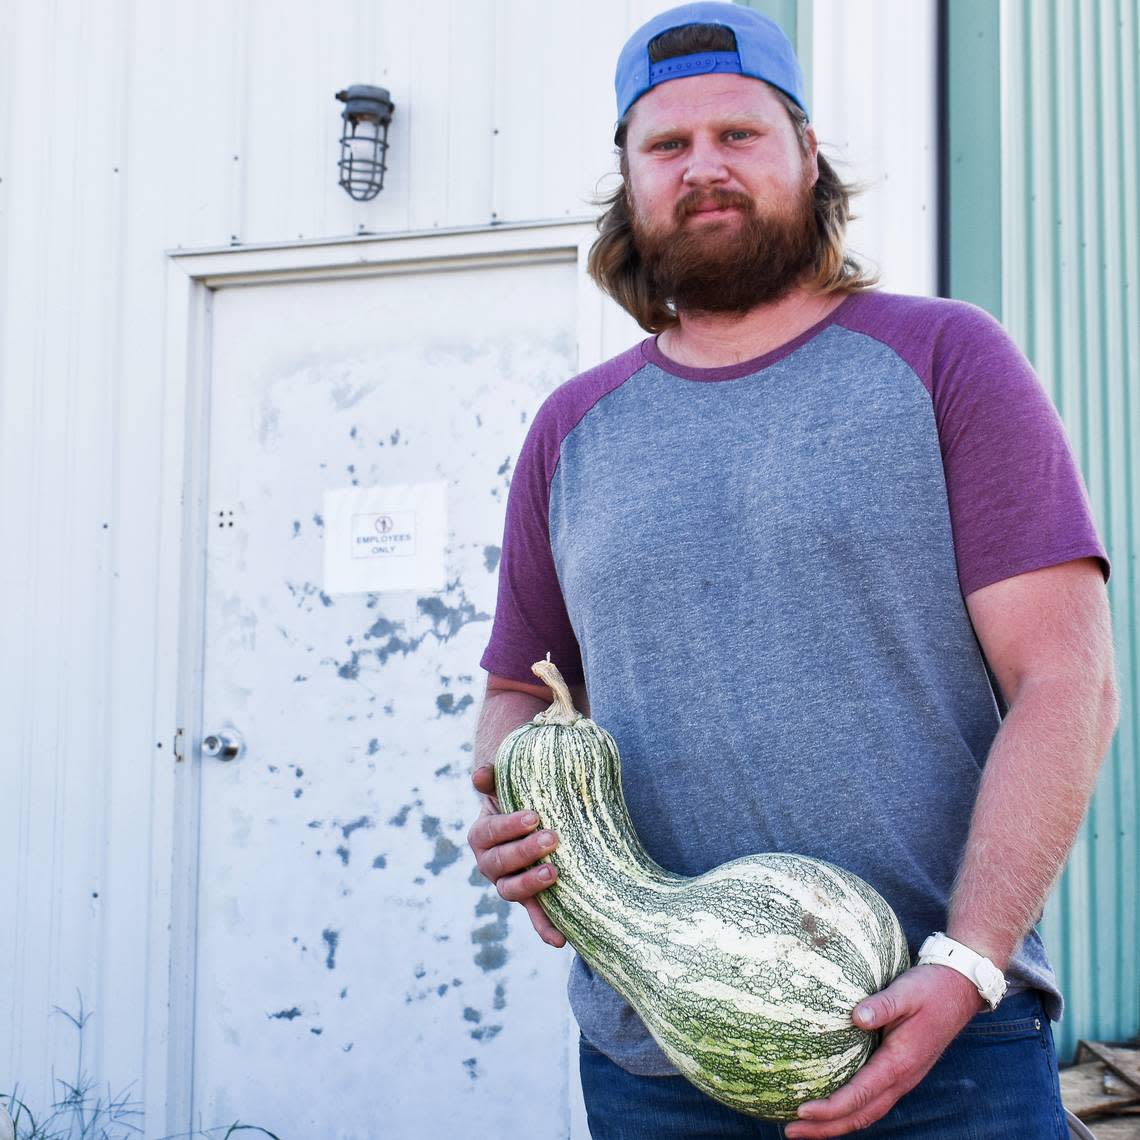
x=762 y=51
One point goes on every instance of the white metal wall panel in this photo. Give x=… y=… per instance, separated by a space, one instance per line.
x=62 y=217
x=873 y=107
x=127 y=130
x=451 y=122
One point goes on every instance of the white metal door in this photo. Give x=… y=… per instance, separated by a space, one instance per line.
x=355 y=976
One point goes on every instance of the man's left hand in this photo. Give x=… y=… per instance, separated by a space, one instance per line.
x=919 y=1014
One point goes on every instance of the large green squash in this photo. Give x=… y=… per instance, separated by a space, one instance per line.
x=746 y=975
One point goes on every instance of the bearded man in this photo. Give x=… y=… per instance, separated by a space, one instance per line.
x=821 y=560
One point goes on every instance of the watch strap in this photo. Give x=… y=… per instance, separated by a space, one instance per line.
x=940 y=950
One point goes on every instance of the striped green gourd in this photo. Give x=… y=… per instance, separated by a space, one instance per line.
x=746 y=975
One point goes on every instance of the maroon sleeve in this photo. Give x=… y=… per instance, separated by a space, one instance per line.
x=1017 y=499
x=530 y=614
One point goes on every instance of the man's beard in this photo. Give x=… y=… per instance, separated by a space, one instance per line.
x=730 y=265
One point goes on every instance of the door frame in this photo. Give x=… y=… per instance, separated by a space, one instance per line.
x=192 y=278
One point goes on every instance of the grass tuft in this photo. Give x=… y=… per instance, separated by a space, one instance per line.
x=79 y=1113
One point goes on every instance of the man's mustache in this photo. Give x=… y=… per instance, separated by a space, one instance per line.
x=697 y=200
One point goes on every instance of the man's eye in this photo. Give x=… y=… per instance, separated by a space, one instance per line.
x=741 y=134
x=667 y=144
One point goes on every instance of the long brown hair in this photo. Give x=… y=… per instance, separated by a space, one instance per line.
x=614 y=262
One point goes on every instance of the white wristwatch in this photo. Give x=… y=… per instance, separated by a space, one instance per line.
x=938 y=950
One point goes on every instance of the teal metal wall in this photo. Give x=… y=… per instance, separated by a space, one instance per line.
x=1040 y=140
x=1041 y=209
x=1043 y=216
x=795 y=17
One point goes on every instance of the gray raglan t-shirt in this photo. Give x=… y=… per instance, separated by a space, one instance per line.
x=760 y=573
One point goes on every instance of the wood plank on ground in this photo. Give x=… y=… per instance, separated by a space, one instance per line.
x=1091 y=1090
x=1122 y=1060
x=1116 y=1128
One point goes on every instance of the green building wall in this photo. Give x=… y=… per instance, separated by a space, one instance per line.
x=1043 y=215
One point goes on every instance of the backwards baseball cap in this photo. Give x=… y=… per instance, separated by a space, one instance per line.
x=762 y=51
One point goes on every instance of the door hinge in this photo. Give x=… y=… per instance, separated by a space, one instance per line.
x=179 y=745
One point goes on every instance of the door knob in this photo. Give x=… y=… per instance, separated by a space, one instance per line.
x=219 y=747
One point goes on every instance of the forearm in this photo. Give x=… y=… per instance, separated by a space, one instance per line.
x=502 y=712
x=1034 y=792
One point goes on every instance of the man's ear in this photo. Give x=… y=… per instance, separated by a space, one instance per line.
x=811 y=143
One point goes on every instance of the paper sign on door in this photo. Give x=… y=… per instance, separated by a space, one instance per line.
x=385 y=538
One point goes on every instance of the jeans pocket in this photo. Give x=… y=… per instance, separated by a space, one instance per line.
x=1016 y=1027
x=1001 y=1073
x=1020 y=1015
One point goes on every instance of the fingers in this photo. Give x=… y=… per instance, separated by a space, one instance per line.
x=900 y=999
x=883 y=1008
x=856 y=1120
x=860 y=1108
x=484 y=780
x=867 y=1097
x=518 y=888
x=492 y=829
x=546 y=929
x=509 y=851
x=919 y=1014
x=506 y=845
x=507 y=858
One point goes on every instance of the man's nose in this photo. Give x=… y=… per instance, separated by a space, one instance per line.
x=705 y=166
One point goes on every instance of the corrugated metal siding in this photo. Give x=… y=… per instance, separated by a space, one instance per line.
x=869 y=54
x=970 y=175
x=1070 y=269
x=127 y=130
x=796 y=17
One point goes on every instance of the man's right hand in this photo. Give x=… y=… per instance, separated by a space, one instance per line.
x=507 y=847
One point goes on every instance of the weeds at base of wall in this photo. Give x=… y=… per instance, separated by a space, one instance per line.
x=81 y=1113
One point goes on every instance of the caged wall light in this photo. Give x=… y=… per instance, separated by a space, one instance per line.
x=364 y=140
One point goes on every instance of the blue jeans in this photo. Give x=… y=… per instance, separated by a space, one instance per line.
x=997 y=1080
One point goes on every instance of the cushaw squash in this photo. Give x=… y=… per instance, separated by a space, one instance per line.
x=746 y=975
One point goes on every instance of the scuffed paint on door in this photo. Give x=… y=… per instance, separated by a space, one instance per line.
x=361 y=948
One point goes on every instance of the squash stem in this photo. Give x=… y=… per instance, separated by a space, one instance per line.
x=563 y=710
